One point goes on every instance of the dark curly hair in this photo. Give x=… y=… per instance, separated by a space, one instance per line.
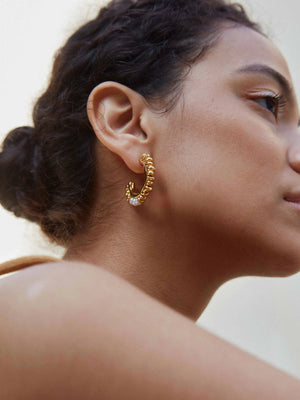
x=47 y=171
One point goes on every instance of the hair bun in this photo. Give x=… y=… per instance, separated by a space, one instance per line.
x=18 y=184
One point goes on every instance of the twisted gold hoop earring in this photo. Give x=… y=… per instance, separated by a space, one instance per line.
x=137 y=199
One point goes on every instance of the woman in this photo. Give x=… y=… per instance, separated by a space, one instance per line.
x=162 y=94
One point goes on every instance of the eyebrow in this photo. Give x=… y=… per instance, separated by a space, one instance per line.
x=277 y=76
x=271 y=73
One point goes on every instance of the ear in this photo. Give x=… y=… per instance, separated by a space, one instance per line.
x=115 y=113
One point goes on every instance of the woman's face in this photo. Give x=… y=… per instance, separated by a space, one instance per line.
x=229 y=153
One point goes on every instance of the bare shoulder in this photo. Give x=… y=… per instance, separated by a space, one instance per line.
x=72 y=287
x=67 y=284
x=73 y=330
x=78 y=330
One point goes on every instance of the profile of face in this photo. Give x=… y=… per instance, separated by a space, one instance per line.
x=227 y=156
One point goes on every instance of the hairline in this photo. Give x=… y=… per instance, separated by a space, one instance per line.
x=170 y=101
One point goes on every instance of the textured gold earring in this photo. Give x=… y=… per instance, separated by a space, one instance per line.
x=137 y=199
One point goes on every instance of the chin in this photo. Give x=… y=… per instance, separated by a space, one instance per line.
x=288 y=270
x=284 y=272
x=282 y=262
x=283 y=268
x=279 y=256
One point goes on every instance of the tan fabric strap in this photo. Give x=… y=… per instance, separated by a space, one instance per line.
x=24 y=262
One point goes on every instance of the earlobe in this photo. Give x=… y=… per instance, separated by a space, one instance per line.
x=114 y=112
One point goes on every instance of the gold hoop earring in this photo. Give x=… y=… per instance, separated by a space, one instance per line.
x=137 y=199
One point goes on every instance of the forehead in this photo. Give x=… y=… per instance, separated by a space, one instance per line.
x=240 y=46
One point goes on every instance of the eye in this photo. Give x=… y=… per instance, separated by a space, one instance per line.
x=272 y=103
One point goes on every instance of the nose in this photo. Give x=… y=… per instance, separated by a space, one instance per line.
x=294 y=151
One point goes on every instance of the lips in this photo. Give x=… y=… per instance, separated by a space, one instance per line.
x=293 y=197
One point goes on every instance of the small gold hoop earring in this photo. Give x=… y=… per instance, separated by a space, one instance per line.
x=137 y=199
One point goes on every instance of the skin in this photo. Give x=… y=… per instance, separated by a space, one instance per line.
x=121 y=328
x=76 y=331
x=225 y=159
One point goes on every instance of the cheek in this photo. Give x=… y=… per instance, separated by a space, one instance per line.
x=225 y=170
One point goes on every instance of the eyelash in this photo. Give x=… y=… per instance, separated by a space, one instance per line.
x=279 y=101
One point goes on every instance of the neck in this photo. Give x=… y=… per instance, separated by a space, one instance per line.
x=172 y=263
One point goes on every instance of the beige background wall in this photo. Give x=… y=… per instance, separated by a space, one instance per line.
x=258 y=314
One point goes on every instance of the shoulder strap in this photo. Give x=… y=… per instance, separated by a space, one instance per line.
x=24 y=262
